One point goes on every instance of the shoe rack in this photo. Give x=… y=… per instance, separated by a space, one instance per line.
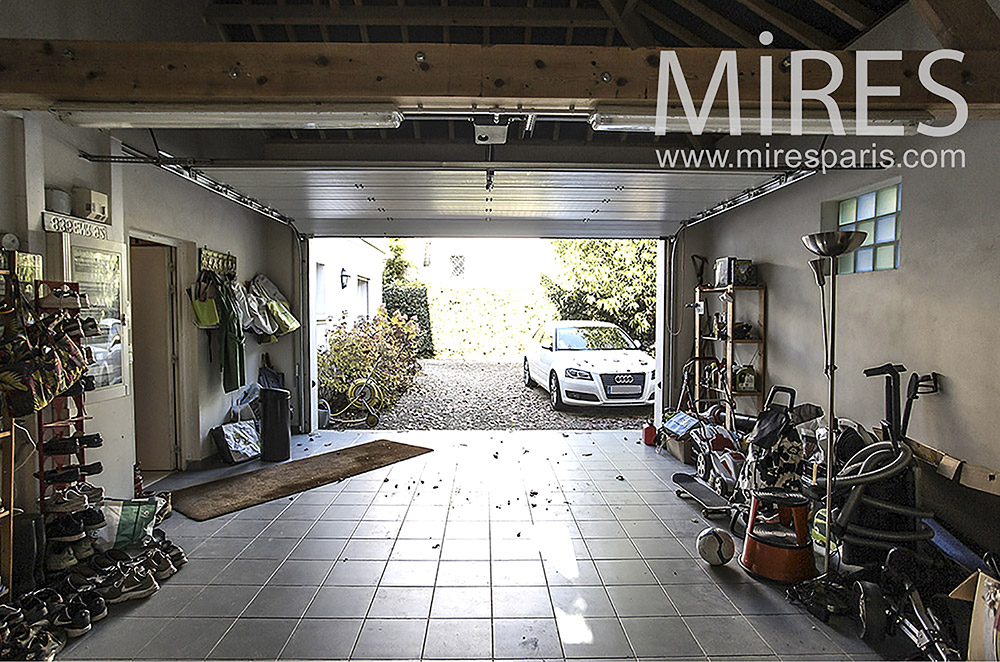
x=55 y=421
x=6 y=473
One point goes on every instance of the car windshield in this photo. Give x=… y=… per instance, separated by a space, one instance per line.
x=592 y=337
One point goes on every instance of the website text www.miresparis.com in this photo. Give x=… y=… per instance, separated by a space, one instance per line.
x=819 y=159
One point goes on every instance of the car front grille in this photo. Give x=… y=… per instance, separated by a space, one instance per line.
x=624 y=386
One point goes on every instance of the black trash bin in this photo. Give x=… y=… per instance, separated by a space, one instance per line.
x=275 y=428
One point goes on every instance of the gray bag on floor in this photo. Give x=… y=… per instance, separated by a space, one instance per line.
x=239 y=439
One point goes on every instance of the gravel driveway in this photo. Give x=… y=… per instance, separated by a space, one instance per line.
x=467 y=395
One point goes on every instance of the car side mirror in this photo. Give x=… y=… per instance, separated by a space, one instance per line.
x=637 y=344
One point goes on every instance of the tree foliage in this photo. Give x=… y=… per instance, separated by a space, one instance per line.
x=609 y=280
x=410 y=299
x=396 y=265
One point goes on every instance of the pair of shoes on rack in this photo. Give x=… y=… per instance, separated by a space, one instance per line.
x=72 y=445
x=65 y=555
x=77 y=328
x=72 y=527
x=64 y=299
x=73 y=499
x=71 y=473
x=153 y=560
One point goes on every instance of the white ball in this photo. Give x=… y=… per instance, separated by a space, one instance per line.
x=716 y=546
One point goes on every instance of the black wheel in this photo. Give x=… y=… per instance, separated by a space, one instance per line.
x=871 y=616
x=526 y=377
x=555 y=395
x=701 y=466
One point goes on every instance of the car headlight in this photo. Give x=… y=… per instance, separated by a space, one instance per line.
x=576 y=373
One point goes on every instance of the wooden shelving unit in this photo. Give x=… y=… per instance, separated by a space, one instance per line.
x=703 y=297
x=6 y=481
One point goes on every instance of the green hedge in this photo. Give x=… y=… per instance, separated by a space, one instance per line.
x=410 y=299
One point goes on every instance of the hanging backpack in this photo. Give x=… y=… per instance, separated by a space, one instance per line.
x=206 y=312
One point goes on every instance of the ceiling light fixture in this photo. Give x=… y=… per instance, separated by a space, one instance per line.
x=283 y=116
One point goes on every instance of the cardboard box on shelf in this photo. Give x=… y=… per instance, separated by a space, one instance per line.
x=984 y=633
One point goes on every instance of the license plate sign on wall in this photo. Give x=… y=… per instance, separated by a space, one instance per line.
x=72 y=225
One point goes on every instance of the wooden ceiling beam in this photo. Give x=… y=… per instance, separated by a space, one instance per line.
x=851 y=12
x=40 y=74
x=538 y=17
x=965 y=25
x=791 y=25
x=719 y=22
x=631 y=27
x=688 y=37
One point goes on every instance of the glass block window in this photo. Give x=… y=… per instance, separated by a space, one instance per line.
x=457 y=266
x=877 y=215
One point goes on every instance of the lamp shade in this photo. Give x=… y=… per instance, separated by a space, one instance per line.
x=832 y=244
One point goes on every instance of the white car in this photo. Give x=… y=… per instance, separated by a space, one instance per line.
x=589 y=363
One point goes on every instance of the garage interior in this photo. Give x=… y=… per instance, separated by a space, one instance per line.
x=241 y=130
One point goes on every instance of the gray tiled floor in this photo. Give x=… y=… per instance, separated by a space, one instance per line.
x=539 y=552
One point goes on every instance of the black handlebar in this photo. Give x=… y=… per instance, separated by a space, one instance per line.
x=885 y=369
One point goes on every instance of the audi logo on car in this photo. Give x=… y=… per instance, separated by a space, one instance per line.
x=623 y=379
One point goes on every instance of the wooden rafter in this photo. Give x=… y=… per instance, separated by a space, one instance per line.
x=851 y=12
x=965 y=25
x=790 y=25
x=37 y=75
x=406 y=15
x=657 y=17
x=635 y=33
x=719 y=22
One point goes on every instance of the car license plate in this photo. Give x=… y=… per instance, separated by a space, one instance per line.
x=624 y=389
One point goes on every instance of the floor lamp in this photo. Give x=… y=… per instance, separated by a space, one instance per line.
x=831 y=245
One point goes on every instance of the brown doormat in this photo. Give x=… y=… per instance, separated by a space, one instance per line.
x=227 y=495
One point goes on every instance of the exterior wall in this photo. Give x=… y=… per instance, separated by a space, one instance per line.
x=495 y=263
x=363 y=260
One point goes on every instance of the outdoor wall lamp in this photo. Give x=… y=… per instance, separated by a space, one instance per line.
x=344 y=277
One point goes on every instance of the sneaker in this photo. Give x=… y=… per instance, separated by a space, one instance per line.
x=94 y=493
x=158 y=563
x=131 y=584
x=33 y=609
x=83 y=549
x=176 y=554
x=72 y=584
x=68 y=500
x=64 y=528
x=62 y=299
x=94 y=440
x=43 y=644
x=89 y=383
x=62 y=476
x=10 y=615
x=61 y=446
x=74 y=619
x=60 y=557
x=90 y=327
x=72 y=327
x=88 y=354
x=91 y=518
x=96 y=605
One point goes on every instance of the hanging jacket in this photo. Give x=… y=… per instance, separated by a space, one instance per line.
x=231 y=339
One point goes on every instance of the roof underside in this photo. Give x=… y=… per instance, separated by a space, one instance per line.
x=456 y=202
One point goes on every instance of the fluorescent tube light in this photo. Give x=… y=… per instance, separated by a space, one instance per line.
x=263 y=116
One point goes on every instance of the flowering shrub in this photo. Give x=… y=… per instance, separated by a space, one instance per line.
x=351 y=351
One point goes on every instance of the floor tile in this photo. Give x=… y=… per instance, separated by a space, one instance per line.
x=241 y=528
x=461 y=602
x=592 y=637
x=646 y=529
x=219 y=548
x=521 y=602
x=660 y=548
x=601 y=529
x=641 y=601
x=609 y=548
x=332 y=529
x=401 y=602
x=415 y=550
x=459 y=638
x=525 y=638
x=624 y=572
x=218 y=600
x=679 y=571
x=323 y=639
x=319 y=549
x=264 y=511
x=410 y=573
x=578 y=572
x=794 y=635
x=467 y=529
x=518 y=573
x=269 y=548
x=301 y=573
x=186 y=639
x=315 y=498
x=756 y=598
x=246 y=572
x=167 y=602
x=661 y=637
x=514 y=549
x=422 y=530
x=348 y=513
x=303 y=511
x=254 y=639
x=356 y=573
x=374 y=530
x=198 y=572
x=279 y=602
x=378 y=512
x=464 y=573
x=700 y=600
x=368 y=549
x=286 y=529
x=465 y=550
x=115 y=639
x=391 y=639
x=587 y=601
x=341 y=602
x=726 y=635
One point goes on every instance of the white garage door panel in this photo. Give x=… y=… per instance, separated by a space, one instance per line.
x=456 y=202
